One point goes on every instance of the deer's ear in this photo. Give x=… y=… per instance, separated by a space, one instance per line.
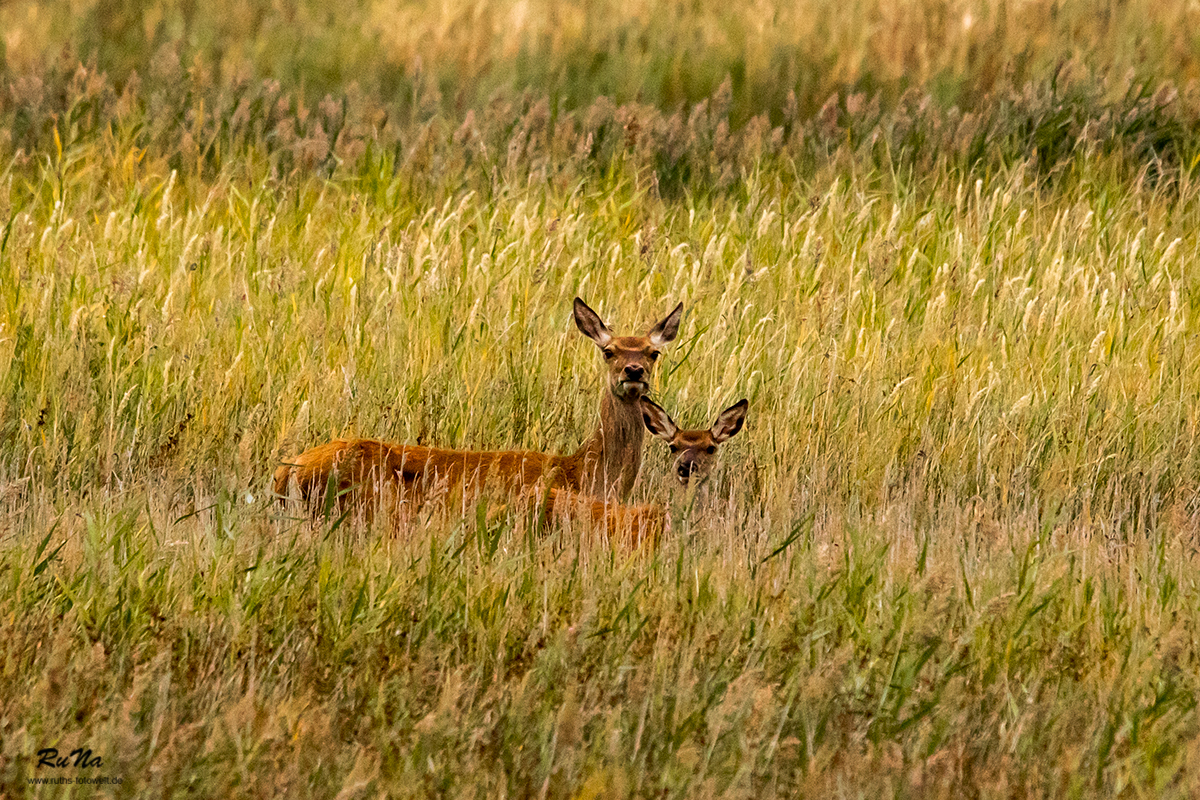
x=665 y=331
x=590 y=323
x=729 y=422
x=658 y=421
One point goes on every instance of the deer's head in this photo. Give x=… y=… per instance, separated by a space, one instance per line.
x=695 y=451
x=630 y=359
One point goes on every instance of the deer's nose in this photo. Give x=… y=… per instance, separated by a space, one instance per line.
x=634 y=373
x=686 y=468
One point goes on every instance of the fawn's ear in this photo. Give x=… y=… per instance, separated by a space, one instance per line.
x=665 y=331
x=590 y=323
x=657 y=421
x=729 y=422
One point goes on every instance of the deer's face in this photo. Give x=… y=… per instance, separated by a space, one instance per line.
x=695 y=451
x=630 y=359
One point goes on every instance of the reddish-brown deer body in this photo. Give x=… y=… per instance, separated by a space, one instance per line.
x=623 y=523
x=368 y=472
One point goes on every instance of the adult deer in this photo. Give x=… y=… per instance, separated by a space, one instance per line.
x=366 y=472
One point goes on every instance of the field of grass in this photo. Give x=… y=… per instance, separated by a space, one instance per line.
x=955 y=552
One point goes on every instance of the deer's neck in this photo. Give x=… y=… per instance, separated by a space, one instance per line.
x=610 y=458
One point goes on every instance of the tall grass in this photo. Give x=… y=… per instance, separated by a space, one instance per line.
x=454 y=56
x=953 y=553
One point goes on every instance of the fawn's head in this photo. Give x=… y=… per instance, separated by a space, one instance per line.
x=695 y=451
x=630 y=359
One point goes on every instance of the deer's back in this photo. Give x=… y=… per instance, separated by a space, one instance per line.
x=363 y=466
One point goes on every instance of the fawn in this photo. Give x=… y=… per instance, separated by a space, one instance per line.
x=622 y=522
x=695 y=451
x=695 y=454
x=366 y=471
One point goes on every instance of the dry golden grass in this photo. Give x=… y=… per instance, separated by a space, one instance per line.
x=952 y=553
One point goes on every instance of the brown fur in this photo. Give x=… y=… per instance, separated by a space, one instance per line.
x=368 y=472
x=626 y=524
x=695 y=451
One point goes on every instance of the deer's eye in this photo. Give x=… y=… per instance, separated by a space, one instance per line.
x=608 y=354
x=654 y=356
x=674 y=448
x=710 y=449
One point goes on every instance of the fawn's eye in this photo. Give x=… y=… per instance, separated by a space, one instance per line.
x=710 y=449
x=608 y=354
x=654 y=356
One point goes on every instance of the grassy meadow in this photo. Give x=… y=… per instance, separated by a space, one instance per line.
x=951 y=264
